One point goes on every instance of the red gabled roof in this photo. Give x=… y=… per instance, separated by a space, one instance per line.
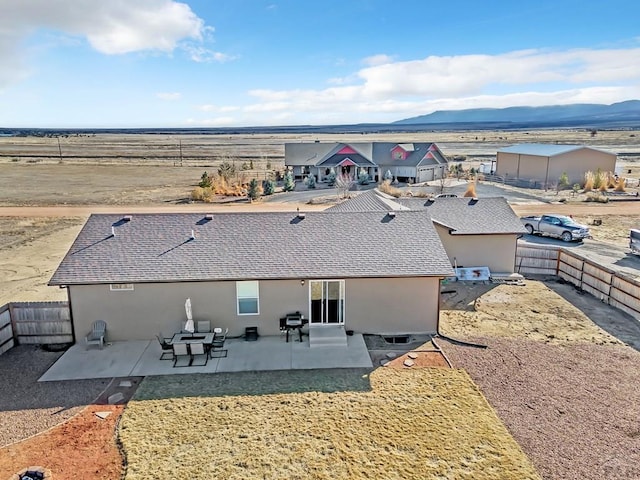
x=347 y=150
x=347 y=162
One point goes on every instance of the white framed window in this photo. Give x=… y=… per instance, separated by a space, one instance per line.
x=247 y=295
x=121 y=287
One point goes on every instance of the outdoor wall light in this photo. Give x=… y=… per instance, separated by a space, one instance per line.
x=302 y=282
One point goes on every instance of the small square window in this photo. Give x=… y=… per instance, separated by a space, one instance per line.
x=121 y=287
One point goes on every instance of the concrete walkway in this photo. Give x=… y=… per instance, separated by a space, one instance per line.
x=142 y=358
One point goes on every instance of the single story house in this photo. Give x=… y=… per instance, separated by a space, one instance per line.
x=475 y=232
x=407 y=162
x=541 y=165
x=370 y=272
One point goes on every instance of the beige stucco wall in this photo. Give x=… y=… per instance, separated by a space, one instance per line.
x=498 y=252
x=371 y=305
x=574 y=164
x=398 y=305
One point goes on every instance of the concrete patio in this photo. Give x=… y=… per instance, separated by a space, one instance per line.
x=142 y=358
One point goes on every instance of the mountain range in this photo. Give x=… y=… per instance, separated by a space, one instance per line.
x=580 y=114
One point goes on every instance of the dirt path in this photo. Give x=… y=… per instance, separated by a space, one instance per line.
x=86 y=210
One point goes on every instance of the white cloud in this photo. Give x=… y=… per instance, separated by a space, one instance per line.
x=391 y=91
x=111 y=27
x=169 y=96
x=380 y=59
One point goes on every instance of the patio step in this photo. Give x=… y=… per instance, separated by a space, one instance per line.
x=327 y=336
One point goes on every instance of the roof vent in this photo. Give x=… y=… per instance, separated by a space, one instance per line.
x=301 y=215
x=127 y=218
x=208 y=216
x=113 y=231
x=392 y=214
x=193 y=235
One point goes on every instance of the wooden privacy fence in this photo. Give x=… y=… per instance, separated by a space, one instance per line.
x=606 y=284
x=39 y=323
x=537 y=259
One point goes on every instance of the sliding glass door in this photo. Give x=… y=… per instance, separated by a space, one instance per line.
x=326 y=299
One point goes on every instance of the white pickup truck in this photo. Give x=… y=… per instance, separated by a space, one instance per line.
x=558 y=226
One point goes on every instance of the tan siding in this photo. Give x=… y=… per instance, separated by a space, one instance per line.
x=398 y=305
x=507 y=164
x=574 y=163
x=498 y=252
x=151 y=308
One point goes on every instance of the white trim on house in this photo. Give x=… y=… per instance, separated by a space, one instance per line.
x=325 y=306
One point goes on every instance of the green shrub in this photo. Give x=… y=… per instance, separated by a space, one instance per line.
x=289 y=183
x=269 y=187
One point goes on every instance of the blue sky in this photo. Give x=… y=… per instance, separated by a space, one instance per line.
x=163 y=63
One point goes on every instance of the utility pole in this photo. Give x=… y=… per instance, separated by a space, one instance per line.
x=59 y=149
x=180 y=144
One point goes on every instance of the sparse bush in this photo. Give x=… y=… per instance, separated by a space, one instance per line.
x=575 y=189
x=227 y=170
x=386 y=187
x=596 y=197
x=588 y=181
x=197 y=194
x=620 y=185
x=563 y=181
x=598 y=179
x=471 y=190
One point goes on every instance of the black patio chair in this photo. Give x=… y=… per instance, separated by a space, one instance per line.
x=165 y=344
x=217 y=347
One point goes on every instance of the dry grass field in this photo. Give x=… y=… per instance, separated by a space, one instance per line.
x=420 y=423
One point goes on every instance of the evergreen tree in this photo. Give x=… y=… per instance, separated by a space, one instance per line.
x=269 y=187
x=254 y=190
x=289 y=183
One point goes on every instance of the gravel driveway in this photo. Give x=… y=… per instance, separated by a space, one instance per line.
x=28 y=407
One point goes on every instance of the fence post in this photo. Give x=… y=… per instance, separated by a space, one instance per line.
x=12 y=319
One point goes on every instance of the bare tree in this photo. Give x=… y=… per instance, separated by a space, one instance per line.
x=343 y=184
x=443 y=182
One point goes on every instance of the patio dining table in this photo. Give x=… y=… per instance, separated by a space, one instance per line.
x=206 y=338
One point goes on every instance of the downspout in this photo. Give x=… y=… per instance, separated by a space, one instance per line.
x=546 y=177
x=73 y=326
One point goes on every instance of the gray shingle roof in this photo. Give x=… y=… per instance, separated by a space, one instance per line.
x=236 y=246
x=467 y=216
x=369 y=201
x=379 y=153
